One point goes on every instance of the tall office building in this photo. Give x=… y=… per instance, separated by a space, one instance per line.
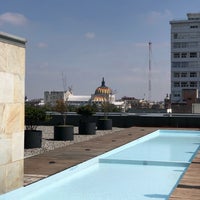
x=185 y=59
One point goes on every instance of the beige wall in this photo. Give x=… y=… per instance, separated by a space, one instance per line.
x=12 y=77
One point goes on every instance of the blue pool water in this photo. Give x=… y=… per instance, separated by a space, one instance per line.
x=165 y=146
x=147 y=168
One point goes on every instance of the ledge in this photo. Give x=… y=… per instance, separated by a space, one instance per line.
x=12 y=39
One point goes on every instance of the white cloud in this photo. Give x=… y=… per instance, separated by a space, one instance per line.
x=16 y=19
x=42 y=45
x=90 y=35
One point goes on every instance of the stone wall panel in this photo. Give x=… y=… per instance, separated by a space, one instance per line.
x=12 y=76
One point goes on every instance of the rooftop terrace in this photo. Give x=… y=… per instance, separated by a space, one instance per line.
x=49 y=163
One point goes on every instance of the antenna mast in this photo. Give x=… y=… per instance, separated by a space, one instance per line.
x=149 y=88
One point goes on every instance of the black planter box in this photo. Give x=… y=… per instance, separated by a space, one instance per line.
x=87 y=128
x=32 y=139
x=63 y=132
x=104 y=124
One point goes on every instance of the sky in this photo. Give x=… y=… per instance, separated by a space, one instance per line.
x=75 y=43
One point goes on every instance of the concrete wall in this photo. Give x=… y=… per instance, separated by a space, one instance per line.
x=196 y=108
x=12 y=77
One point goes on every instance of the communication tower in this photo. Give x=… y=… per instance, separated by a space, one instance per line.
x=149 y=83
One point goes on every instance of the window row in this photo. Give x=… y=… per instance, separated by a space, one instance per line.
x=192 y=84
x=186 y=74
x=185 y=35
x=186 y=55
x=185 y=64
x=194 y=26
x=176 y=94
x=177 y=45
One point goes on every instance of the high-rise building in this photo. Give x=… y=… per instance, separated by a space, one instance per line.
x=185 y=58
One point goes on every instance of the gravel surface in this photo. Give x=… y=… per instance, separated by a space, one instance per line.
x=49 y=144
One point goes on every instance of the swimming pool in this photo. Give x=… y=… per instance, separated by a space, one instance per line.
x=147 y=168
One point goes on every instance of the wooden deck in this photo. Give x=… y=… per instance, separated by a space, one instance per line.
x=52 y=162
x=189 y=186
x=46 y=164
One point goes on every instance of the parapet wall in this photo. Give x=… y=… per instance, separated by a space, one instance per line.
x=12 y=78
x=125 y=121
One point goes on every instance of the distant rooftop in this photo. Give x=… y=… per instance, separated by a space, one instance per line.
x=78 y=98
x=193 y=16
x=190 y=16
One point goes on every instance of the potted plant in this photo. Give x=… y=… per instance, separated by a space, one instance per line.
x=33 y=116
x=63 y=132
x=86 y=125
x=105 y=123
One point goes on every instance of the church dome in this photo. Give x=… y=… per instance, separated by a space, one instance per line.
x=99 y=98
x=103 y=89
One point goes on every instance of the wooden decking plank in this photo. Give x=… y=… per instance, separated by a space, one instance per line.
x=59 y=159
x=189 y=186
x=191 y=177
x=185 y=194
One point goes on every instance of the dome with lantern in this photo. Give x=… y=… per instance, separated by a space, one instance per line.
x=102 y=93
x=103 y=89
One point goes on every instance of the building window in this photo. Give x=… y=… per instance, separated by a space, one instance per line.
x=184 y=84
x=184 y=55
x=193 y=54
x=193 y=74
x=183 y=35
x=193 y=44
x=176 y=95
x=176 y=55
x=176 y=84
x=183 y=74
x=176 y=45
x=180 y=64
x=193 y=64
x=193 y=84
x=194 y=26
x=183 y=44
x=176 y=74
x=175 y=35
x=184 y=64
x=194 y=35
x=175 y=64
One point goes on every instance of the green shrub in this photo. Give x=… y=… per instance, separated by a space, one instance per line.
x=86 y=110
x=61 y=107
x=33 y=116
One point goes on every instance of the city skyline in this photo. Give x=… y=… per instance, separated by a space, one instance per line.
x=91 y=39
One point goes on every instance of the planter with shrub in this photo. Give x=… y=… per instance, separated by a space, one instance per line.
x=33 y=116
x=63 y=132
x=105 y=123
x=86 y=125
